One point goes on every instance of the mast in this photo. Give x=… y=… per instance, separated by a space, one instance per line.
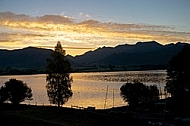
x=113 y=98
x=106 y=97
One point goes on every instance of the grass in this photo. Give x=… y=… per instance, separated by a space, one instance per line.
x=28 y=115
x=31 y=115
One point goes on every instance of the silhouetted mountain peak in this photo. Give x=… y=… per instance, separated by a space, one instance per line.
x=149 y=45
x=138 y=47
x=148 y=42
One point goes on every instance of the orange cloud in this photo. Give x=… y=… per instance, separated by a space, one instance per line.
x=48 y=29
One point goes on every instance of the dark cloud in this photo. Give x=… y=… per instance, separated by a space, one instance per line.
x=57 y=19
x=7 y=40
x=90 y=22
x=9 y=16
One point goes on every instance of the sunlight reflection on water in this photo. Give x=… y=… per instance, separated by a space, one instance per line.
x=89 y=89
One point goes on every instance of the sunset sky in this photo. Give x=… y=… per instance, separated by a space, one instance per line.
x=92 y=23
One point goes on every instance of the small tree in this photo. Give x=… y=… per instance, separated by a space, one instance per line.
x=15 y=91
x=58 y=77
x=136 y=93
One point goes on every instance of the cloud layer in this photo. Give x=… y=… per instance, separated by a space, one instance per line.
x=20 y=30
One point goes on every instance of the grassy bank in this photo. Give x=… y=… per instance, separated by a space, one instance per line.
x=27 y=115
x=31 y=115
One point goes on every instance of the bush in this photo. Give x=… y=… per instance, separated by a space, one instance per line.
x=15 y=91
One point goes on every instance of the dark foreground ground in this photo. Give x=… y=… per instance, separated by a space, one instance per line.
x=28 y=115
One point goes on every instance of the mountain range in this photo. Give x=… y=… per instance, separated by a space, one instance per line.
x=140 y=54
x=122 y=56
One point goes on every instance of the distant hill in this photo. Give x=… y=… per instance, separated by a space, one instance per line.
x=139 y=55
x=26 y=60
x=29 y=57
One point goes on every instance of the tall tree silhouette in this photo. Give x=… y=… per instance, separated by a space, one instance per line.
x=58 y=77
x=178 y=77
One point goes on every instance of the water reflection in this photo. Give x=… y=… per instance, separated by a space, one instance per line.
x=156 y=76
x=90 y=88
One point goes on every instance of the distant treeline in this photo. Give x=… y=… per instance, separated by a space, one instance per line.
x=21 y=71
x=95 y=68
x=109 y=68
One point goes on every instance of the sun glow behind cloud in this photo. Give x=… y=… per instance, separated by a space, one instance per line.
x=18 y=31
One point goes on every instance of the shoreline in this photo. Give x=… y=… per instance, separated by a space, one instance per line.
x=84 y=72
x=29 y=115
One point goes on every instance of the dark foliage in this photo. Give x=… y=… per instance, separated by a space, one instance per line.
x=136 y=93
x=178 y=78
x=3 y=94
x=15 y=91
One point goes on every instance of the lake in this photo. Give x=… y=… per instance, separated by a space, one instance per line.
x=97 y=89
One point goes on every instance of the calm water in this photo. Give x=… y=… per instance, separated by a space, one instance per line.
x=90 y=89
